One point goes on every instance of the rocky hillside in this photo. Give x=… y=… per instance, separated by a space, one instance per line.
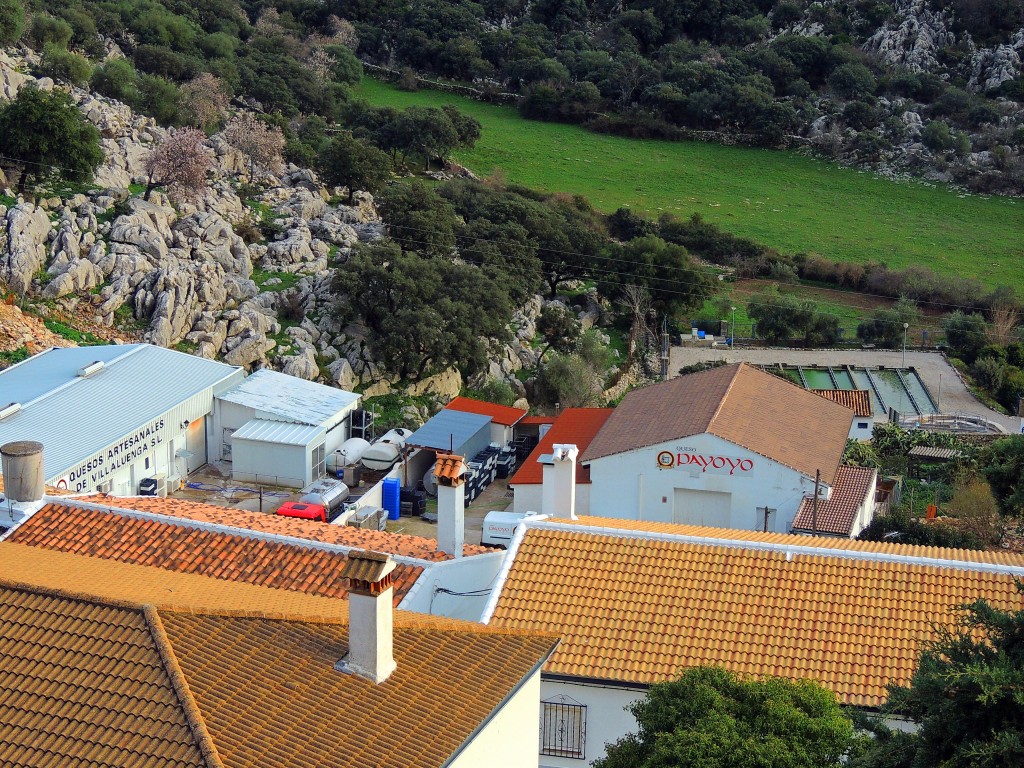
x=181 y=275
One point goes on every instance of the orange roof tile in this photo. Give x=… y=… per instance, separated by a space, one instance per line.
x=191 y=549
x=500 y=414
x=639 y=608
x=402 y=544
x=449 y=469
x=536 y=421
x=105 y=684
x=857 y=400
x=739 y=403
x=576 y=426
x=837 y=514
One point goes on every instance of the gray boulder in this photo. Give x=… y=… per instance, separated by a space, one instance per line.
x=28 y=228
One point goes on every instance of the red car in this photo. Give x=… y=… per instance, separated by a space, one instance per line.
x=302 y=510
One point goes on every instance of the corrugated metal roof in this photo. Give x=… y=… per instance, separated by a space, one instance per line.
x=287 y=398
x=281 y=432
x=449 y=430
x=76 y=417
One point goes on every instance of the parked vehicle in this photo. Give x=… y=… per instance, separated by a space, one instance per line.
x=303 y=510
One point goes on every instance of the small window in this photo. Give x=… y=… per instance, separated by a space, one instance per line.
x=862 y=425
x=147 y=463
x=563 y=731
x=319 y=457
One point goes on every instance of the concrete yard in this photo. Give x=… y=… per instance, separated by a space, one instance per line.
x=939 y=377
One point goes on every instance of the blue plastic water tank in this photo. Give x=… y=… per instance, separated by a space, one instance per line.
x=392 y=501
x=700 y=334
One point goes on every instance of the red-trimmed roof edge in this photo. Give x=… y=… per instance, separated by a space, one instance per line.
x=499 y=414
x=576 y=426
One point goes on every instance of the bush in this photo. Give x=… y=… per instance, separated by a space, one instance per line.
x=900 y=527
x=61 y=64
x=115 y=78
x=12 y=21
x=158 y=98
x=852 y=81
x=47 y=29
x=937 y=137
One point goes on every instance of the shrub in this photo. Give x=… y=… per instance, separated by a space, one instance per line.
x=12 y=21
x=852 y=81
x=989 y=372
x=115 y=78
x=47 y=29
x=936 y=136
x=61 y=64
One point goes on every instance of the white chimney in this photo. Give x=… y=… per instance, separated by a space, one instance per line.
x=370 y=616
x=21 y=464
x=558 y=490
x=450 y=472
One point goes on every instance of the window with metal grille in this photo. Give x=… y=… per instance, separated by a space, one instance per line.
x=563 y=730
x=319 y=461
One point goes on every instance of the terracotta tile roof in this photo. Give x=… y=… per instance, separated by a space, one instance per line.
x=449 y=468
x=576 y=426
x=857 y=400
x=367 y=566
x=380 y=541
x=193 y=550
x=83 y=684
x=536 y=421
x=105 y=685
x=113 y=580
x=837 y=514
x=638 y=609
x=500 y=414
x=739 y=403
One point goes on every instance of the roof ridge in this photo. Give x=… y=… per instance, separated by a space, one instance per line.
x=67 y=594
x=809 y=550
x=194 y=718
x=724 y=398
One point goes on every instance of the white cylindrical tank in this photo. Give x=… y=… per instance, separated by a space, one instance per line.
x=21 y=463
x=350 y=452
x=430 y=481
x=385 y=450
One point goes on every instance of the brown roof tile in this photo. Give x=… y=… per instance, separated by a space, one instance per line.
x=98 y=684
x=193 y=550
x=857 y=400
x=574 y=426
x=379 y=541
x=500 y=414
x=638 y=609
x=449 y=469
x=739 y=403
x=837 y=514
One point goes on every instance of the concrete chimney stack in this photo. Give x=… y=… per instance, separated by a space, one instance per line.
x=450 y=472
x=558 y=491
x=21 y=464
x=370 y=616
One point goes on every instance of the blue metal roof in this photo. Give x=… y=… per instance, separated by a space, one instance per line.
x=452 y=429
x=74 y=417
x=287 y=398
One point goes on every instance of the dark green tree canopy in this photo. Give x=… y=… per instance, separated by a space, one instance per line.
x=46 y=135
x=713 y=718
x=346 y=161
x=967 y=695
x=1004 y=470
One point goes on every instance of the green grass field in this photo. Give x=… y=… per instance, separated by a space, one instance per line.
x=781 y=199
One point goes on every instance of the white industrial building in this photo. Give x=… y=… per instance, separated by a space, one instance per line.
x=730 y=447
x=111 y=416
x=278 y=429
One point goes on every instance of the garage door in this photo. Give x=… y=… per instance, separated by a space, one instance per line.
x=701 y=508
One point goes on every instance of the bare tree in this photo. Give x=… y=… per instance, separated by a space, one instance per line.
x=262 y=143
x=321 y=64
x=1002 y=329
x=343 y=32
x=180 y=164
x=205 y=101
x=638 y=301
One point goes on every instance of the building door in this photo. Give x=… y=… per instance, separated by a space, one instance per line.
x=195 y=444
x=709 y=508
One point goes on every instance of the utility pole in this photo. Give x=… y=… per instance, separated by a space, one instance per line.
x=664 y=348
x=905 y=327
x=814 y=504
x=767 y=511
x=732 y=329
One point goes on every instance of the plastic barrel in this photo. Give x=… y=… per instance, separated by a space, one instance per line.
x=392 y=494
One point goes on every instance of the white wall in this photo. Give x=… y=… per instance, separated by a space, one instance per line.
x=468 y=574
x=504 y=740
x=632 y=486
x=858 y=432
x=866 y=513
x=607 y=718
x=227 y=415
x=528 y=498
x=271 y=463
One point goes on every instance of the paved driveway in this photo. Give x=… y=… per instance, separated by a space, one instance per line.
x=938 y=376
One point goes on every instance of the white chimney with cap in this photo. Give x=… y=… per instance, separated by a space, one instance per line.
x=450 y=471
x=370 y=616
x=558 y=492
x=21 y=464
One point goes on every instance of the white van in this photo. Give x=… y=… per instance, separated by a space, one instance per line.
x=500 y=526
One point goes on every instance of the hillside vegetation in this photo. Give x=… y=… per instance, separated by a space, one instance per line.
x=784 y=200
